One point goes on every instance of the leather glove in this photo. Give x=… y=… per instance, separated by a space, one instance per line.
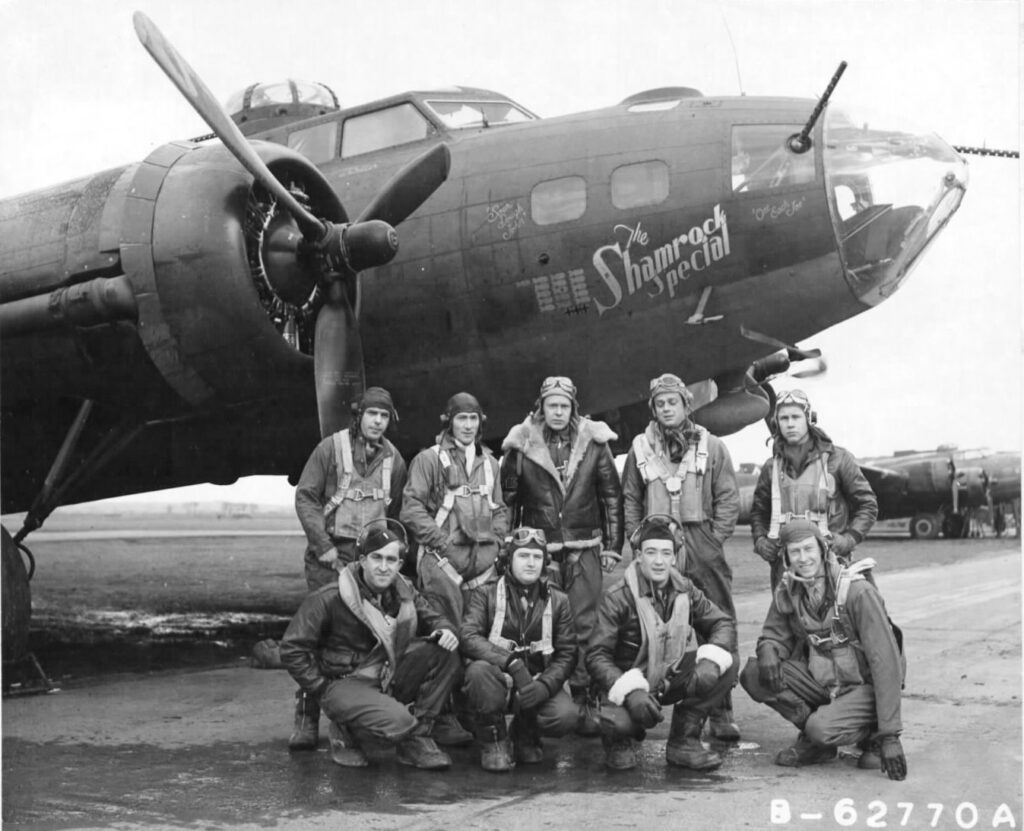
x=533 y=695
x=769 y=670
x=609 y=559
x=894 y=763
x=643 y=708
x=520 y=673
x=705 y=676
x=843 y=545
x=767 y=550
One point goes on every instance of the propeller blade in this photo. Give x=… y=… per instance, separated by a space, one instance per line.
x=337 y=360
x=409 y=187
x=199 y=96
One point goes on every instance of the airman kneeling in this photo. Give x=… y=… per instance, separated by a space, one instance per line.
x=644 y=653
x=367 y=647
x=519 y=635
x=828 y=658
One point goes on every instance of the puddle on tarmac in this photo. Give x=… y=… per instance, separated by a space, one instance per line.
x=61 y=786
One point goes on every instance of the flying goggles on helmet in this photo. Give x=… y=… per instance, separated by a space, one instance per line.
x=524 y=537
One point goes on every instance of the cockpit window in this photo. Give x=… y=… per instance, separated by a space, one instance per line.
x=761 y=160
x=892 y=187
x=271 y=94
x=458 y=115
x=318 y=143
x=384 y=128
x=307 y=93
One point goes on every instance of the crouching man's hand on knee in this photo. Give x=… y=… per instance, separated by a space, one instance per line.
x=445 y=639
x=769 y=670
x=643 y=708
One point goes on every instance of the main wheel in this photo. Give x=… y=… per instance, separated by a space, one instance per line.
x=17 y=599
x=924 y=527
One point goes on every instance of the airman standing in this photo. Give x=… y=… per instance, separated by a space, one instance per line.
x=808 y=476
x=453 y=508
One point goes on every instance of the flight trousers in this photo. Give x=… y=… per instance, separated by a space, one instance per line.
x=848 y=718
x=487 y=694
x=582 y=581
x=425 y=677
x=616 y=722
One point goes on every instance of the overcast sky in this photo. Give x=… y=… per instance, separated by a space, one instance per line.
x=939 y=362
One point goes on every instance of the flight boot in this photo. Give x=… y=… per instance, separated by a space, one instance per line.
x=804 y=752
x=620 y=753
x=722 y=727
x=586 y=724
x=496 y=752
x=870 y=757
x=449 y=732
x=684 y=748
x=526 y=740
x=344 y=750
x=306 y=732
x=419 y=750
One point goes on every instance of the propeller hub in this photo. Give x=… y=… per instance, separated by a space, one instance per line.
x=370 y=244
x=289 y=277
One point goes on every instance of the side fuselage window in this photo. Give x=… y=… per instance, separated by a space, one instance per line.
x=396 y=125
x=318 y=144
x=644 y=183
x=558 y=200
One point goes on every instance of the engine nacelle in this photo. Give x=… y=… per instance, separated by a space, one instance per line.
x=972 y=483
x=166 y=265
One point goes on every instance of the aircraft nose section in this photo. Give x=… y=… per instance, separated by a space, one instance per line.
x=891 y=190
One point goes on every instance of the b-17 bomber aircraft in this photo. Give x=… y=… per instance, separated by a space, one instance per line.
x=210 y=311
x=935 y=488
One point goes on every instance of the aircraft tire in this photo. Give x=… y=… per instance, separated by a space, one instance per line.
x=924 y=527
x=17 y=600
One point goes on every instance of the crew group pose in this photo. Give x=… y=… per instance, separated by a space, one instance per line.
x=508 y=616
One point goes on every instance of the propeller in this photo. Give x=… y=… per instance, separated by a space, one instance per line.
x=336 y=251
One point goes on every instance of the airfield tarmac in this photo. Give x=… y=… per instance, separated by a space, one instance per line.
x=195 y=738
